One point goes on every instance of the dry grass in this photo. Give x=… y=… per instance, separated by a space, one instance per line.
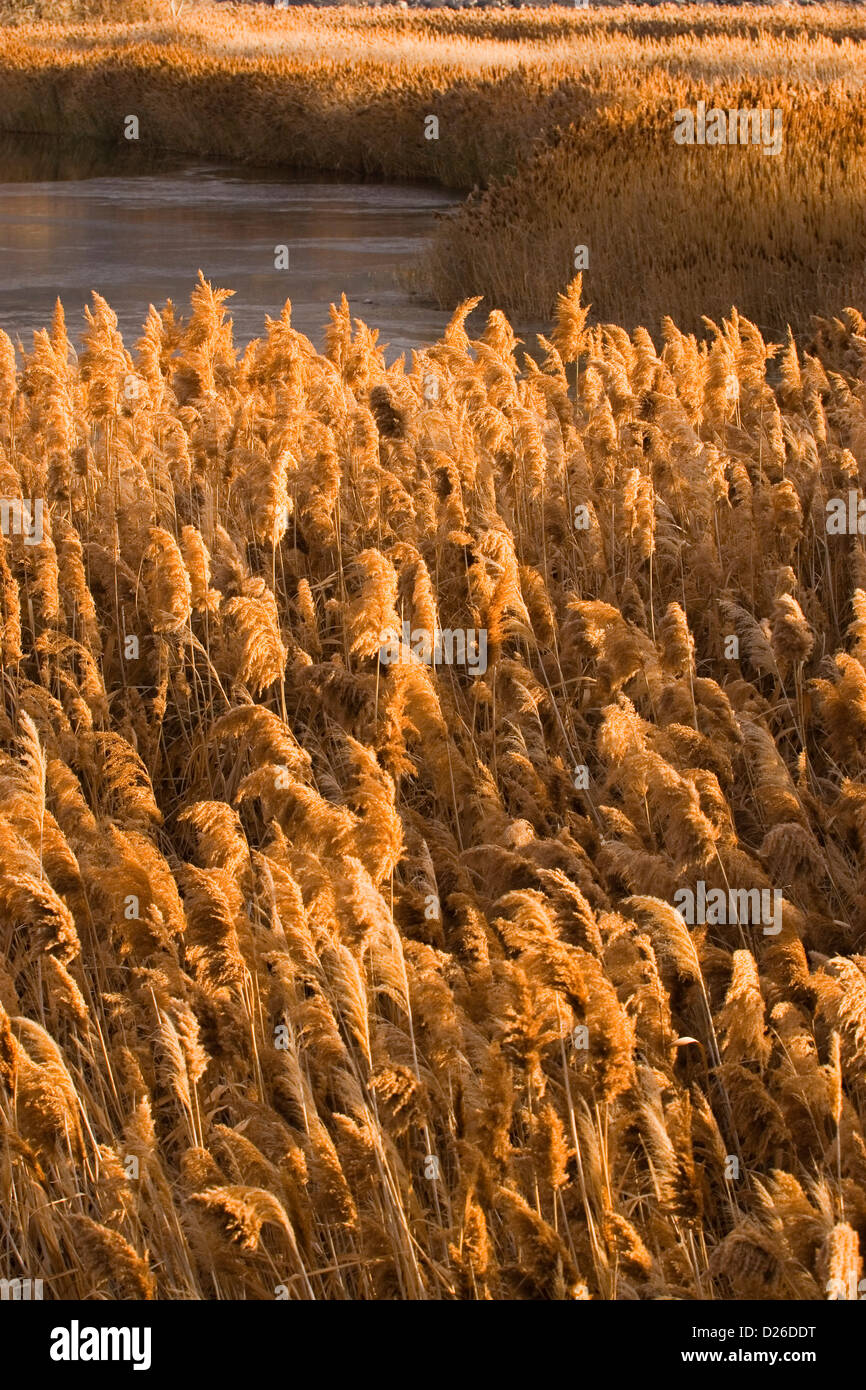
x=671 y=229
x=327 y=977
x=564 y=119
x=27 y=12
x=288 y=87
x=280 y=922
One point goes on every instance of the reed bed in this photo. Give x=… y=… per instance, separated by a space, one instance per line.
x=326 y=976
x=672 y=229
x=560 y=120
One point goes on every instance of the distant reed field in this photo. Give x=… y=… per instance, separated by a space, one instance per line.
x=563 y=119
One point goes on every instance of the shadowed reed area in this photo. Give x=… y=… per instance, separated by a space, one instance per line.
x=672 y=229
x=325 y=976
x=564 y=120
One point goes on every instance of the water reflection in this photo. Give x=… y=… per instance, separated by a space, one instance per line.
x=46 y=159
x=136 y=227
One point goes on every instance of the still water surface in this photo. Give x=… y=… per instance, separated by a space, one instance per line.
x=72 y=222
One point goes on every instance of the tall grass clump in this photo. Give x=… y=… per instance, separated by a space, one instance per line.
x=672 y=229
x=326 y=975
